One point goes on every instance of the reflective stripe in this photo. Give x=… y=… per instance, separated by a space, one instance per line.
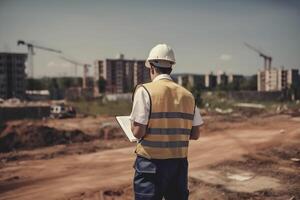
x=170 y=123
x=158 y=115
x=166 y=138
x=168 y=131
x=172 y=144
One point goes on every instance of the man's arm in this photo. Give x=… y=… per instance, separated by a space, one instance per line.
x=197 y=123
x=195 y=133
x=138 y=130
x=140 y=113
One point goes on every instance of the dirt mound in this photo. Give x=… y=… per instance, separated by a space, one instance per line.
x=109 y=133
x=30 y=137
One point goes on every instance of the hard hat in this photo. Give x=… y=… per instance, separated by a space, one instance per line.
x=161 y=55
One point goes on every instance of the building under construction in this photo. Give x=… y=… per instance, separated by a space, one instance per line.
x=12 y=75
x=190 y=80
x=277 y=79
x=272 y=79
x=122 y=75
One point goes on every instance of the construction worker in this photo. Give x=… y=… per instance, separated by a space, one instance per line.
x=164 y=118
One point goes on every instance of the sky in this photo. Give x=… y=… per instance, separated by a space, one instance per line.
x=206 y=35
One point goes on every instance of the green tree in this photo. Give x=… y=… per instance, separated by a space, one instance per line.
x=101 y=85
x=197 y=95
x=35 y=84
x=233 y=86
x=249 y=83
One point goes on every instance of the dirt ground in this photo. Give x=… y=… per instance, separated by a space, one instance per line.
x=236 y=158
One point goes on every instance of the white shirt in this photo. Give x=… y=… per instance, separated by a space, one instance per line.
x=141 y=105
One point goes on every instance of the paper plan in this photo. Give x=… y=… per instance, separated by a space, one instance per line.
x=125 y=123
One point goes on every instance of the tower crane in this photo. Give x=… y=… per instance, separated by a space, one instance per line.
x=267 y=59
x=76 y=64
x=31 y=52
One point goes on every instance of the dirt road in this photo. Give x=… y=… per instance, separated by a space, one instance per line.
x=64 y=177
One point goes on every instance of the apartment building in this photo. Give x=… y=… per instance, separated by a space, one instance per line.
x=190 y=80
x=222 y=78
x=12 y=75
x=235 y=78
x=210 y=80
x=122 y=75
x=277 y=79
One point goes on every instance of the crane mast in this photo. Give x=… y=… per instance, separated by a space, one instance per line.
x=267 y=59
x=76 y=64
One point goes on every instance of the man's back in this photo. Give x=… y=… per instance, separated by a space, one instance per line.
x=170 y=121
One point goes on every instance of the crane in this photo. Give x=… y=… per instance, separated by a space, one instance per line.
x=267 y=59
x=31 y=48
x=76 y=64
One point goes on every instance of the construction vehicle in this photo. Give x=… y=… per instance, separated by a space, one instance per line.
x=61 y=111
x=267 y=59
x=31 y=52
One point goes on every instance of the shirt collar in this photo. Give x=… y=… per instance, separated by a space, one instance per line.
x=162 y=76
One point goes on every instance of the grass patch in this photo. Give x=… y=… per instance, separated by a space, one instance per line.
x=221 y=100
x=97 y=107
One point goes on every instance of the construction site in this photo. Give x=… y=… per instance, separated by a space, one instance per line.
x=247 y=151
x=64 y=81
x=73 y=148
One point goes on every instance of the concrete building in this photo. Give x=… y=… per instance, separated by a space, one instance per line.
x=261 y=81
x=222 y=78
x=277 y=79
x=282 y=81
x=122 y=75
x=141 y=73
x=210 y=80
x=293 y=77
x=190 y=80
x=12 y=75
x=234 y=78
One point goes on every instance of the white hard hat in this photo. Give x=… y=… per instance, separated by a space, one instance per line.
x=161 y=55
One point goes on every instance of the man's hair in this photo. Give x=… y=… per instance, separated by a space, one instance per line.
x=162 y=70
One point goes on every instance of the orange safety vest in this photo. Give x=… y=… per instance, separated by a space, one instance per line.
x=170 y=121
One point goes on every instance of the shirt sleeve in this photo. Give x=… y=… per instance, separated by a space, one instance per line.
x=141 y=107
x=197 y=121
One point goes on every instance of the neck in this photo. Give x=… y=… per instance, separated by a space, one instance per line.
x=154 y=76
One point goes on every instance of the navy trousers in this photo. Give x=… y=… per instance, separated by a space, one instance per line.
x=156 y=178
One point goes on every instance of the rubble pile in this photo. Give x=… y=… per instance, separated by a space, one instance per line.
x=31 y=136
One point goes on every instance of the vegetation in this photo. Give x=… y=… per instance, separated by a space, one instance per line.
x=49 y=83
x=249 y=83
x=56 y=86
x=98 y=107
x=101 y=85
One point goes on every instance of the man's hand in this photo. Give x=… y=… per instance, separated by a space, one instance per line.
x=195 y=134
x=138 y=130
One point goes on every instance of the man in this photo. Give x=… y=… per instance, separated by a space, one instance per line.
x=164 y=118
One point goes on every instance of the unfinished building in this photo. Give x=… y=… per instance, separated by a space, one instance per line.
x=277 y=79
x=122 y=75
x=12 y=75
x=190 y=80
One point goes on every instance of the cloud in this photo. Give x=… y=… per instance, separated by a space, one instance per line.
x=225 y=57
x=51 y=64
